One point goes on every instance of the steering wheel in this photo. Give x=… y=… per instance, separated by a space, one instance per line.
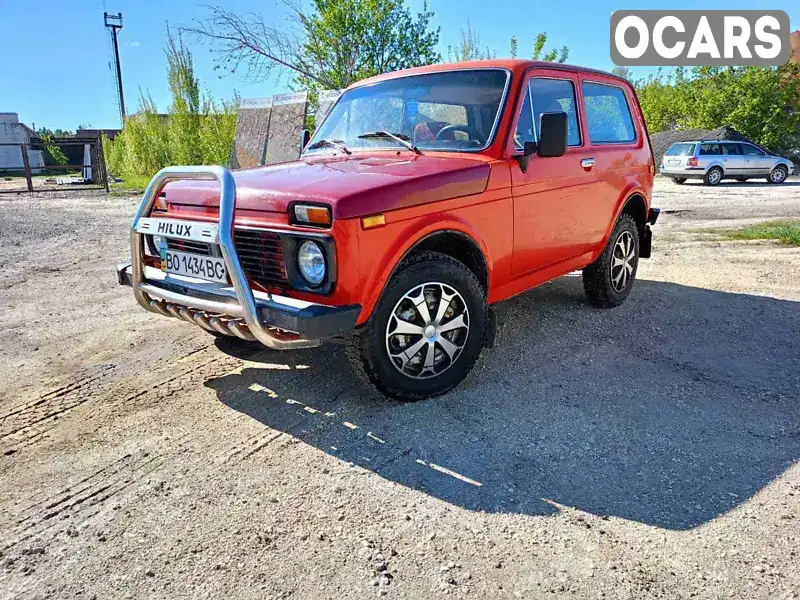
x=452 y=129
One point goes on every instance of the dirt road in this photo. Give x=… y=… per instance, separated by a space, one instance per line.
x=647 y=451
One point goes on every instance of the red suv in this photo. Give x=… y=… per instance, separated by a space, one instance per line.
x=424 y=197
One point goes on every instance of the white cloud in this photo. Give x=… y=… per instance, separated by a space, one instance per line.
x=134 y=44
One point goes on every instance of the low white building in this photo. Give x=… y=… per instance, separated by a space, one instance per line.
x=14 y=132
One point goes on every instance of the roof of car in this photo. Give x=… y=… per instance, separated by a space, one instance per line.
x=511 y=64
x=711 y=142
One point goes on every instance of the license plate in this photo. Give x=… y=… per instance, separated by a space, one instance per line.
x=210 y=268
x=673 y=162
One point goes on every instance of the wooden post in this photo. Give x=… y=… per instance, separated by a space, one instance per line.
x=26 y=162
x=101 y=162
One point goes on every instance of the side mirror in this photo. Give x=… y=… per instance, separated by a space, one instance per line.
x=305 y=136
x=552 y=134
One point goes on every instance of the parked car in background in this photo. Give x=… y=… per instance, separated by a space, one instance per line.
x=424 y=197
x=713 y=161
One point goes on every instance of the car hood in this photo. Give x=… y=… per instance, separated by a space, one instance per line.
x=353 y=186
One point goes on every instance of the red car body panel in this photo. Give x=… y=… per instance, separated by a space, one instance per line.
x=530 y=227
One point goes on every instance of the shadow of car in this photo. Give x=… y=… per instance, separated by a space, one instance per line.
x=669 y=411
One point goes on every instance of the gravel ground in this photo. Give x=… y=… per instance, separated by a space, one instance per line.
x=647 y=451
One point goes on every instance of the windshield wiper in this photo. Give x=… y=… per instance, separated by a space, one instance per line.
x=399 y=138
x=331 y=144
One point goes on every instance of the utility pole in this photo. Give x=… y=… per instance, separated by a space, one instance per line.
x=114 y=23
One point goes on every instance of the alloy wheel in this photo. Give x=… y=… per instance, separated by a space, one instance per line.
x=714 y=176
x=622 y=261
x=777 y=175
x=427 y=330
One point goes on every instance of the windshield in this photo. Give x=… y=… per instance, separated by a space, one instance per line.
x=454 y=110
x=681 y=150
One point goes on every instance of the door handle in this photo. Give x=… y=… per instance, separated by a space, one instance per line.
x=587 y=163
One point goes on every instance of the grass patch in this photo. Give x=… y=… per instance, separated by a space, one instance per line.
x=786 y=232
x=135 y=183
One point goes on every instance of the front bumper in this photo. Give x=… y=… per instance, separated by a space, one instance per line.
x=234 y=309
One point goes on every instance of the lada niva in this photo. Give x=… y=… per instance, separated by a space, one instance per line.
x=424 y=197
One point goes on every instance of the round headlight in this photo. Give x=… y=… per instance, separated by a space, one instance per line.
x=154 y=245
x=311 y=262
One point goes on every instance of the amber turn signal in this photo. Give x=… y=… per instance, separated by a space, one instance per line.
x=306 y=214
x=373 y=221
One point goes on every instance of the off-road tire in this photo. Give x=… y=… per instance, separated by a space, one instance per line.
x=597 y=276
x=778 y=175
x=709 y=179
x=679 y=180
x=366 y=348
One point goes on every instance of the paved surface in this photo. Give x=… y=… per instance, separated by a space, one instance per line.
x=647 y=451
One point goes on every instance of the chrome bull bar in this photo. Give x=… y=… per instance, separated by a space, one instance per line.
x=188 y=307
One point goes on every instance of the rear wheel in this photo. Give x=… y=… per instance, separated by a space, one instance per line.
x=426 y=332
x=679 y=180
x=778 y=174
x=713 y=177
x=608 y=280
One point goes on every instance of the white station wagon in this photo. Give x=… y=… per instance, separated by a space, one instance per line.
x=713 y=161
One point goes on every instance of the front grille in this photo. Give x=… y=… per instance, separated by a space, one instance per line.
x=261 y=255
x=189 y=246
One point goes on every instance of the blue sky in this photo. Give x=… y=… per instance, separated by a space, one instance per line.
x=55 y=54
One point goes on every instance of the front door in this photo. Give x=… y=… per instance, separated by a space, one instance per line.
x=756 y=161
x=551 y=196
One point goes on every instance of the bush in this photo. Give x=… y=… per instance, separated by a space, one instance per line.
x=193 y=131
x=761 y=103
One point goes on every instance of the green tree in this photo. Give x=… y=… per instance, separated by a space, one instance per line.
x=539 y=53
x=551 y=55
x=194 y=130
x=183 y=125
x=52 y=154
x=333 y=43
x=763 y=103
x=623 y=72
x=469 y=47
x=663 y=100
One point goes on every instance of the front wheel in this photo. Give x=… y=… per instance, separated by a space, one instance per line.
x=426 y=332
x=778 y=174
x=608 y=280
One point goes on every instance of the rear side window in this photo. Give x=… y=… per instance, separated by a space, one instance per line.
x=710 y=150
x=731 y=149
x=608 y=116
x=681 y=150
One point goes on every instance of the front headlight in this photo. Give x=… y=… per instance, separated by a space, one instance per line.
x=311 y=262
x=153 y=245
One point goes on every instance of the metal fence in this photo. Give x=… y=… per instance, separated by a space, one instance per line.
x=85 y=168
